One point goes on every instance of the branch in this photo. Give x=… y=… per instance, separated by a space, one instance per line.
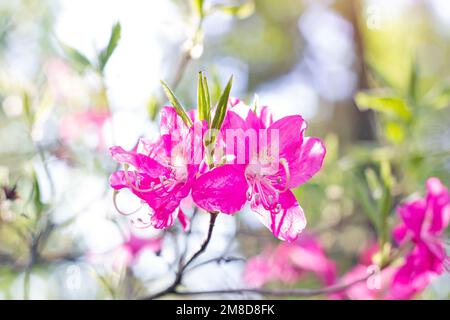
x=179 y=276
x=218 y=260
x=278 y=293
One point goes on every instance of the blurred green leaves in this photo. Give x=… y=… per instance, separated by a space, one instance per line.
x=240 y=11
x=198 y=5
x=391 y=106
x=107 y=52
x=397 y=114
x=81 y=63
x=78 y=60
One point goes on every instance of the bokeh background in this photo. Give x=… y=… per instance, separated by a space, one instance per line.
x=60 y=235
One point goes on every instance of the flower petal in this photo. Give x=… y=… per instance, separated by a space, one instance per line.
x=184 y=220
x=286 y=224
x=308 y=163
x=140 y=162
x=222 y=189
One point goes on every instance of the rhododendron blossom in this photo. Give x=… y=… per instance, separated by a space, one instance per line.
x=289 y=262
x=261 y=177
x=161 y=172
x=261 y=170
x=423 y=222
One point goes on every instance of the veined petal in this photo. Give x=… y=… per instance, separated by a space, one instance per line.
x=413 y=214
x=308 y=163
x=170 y=122
x=184 y=220
x=223 y=189
x=438 y=206
x=289 y=222
x=140 y=162
x=266 y=117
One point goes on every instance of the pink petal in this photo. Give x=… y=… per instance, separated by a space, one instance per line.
x=222 y=189
x=184 y=220
x=438 y=204
x=307 y=254
x=140 y=162
x=289 y=222
x=412 y=213
x=399 y=233
x=308 y=163
x=170 y=122
x=258 y=271
x=266 y=117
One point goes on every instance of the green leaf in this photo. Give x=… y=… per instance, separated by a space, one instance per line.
x=413 y=81
x=241 y=11
x=394 y=132
x=203 y=99
x=26 y=101
x=374 y=184
x=386 y=174
x=385 y=209
x=107 y=52
x=221 y=107
x=152 y=107
x=438 y=97
x=391 y=106
x=379 y=78
x=79 y=61
x=198 y=4
x=364 y=199
x=176 y=104
x=38 y=204
x=207 y=99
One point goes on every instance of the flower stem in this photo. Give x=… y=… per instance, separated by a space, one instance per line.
x=179 y=276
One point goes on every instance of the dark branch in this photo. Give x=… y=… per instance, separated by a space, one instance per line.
x=179 y=276
x=278 y=293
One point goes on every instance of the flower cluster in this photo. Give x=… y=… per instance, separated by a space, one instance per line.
x=249 y=159
x=423 y=222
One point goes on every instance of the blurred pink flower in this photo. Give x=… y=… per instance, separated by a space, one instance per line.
x=259 y=176
x=127 y=253
x=74 y=125
x=423 y=223
x=288 y=262
x=379 y=286
x=133 y=247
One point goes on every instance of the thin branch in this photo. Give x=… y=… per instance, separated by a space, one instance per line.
x=218 y=260
x=179 y=276
x=278 y=293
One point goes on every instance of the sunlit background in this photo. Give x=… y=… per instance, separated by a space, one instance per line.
x=61 y=237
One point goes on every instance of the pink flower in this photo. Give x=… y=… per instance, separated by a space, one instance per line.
x=423 y=223
x=161 y=173
x=376 y=287
x=382 y=285
x=290 y=261
x=74 y=125
x=269 y=159
x=132 y=248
